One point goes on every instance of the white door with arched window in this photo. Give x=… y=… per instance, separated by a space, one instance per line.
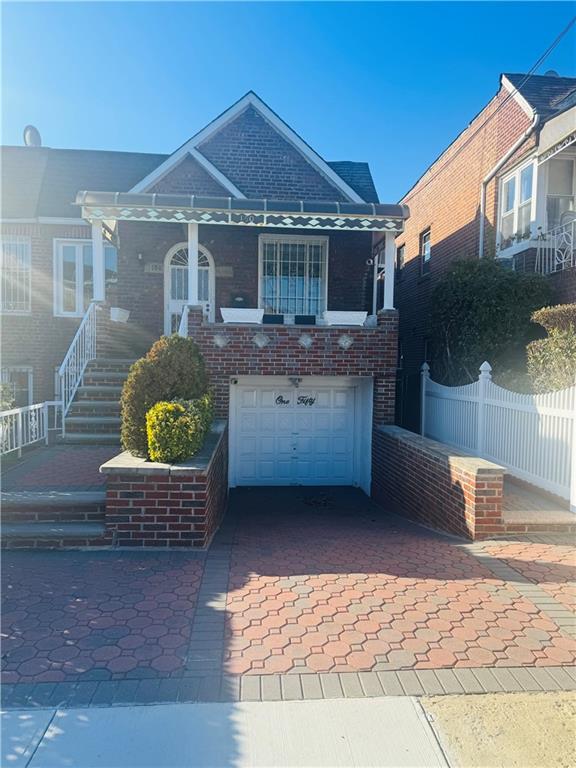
x=176 y=284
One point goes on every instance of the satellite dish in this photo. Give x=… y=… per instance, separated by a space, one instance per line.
x=32 y=136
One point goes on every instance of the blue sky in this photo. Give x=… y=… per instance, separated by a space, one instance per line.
x=391 y=83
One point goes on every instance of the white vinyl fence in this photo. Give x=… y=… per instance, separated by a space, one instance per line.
x=533 y=436
x=21 y=427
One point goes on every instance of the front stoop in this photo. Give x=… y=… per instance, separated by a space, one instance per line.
x=94 y=416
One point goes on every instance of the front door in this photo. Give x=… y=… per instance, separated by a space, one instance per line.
x=176 y=285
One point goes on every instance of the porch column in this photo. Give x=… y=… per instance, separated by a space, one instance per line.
x=192 y=264
x=98 y=265
x=389 y=259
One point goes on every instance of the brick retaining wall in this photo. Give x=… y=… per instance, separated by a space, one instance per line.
x=168 y=505
x=436 y=485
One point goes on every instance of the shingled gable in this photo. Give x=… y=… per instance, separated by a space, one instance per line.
x=251 y=152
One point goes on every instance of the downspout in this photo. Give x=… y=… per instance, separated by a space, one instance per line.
x=487 y=179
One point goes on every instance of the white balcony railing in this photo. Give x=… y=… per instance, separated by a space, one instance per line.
x=557 y=249
x=81 y=351
x=21 y=427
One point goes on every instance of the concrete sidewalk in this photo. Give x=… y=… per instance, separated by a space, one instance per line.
x=387 y=732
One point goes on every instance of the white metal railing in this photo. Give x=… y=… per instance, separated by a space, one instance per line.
x=183 y=324
x=21 y=427
x=557 y=249
x=82 y=349
x=533 y=436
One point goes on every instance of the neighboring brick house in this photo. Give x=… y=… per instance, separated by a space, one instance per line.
x=244 y=216
x=504 y=188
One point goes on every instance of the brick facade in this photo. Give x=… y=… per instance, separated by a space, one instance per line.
x=373 y=353
x=261 y=163
x=446 y=200
x=235 y=254
x=425 y=481
x=157 y=505
x=39 y=339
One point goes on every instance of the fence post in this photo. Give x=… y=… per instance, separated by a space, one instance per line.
x=46 y=424
x=424 y=376
x=573 y=465
x=19 y=432
x=483 y=379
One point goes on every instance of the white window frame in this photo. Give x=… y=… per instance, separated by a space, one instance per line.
x=79 y=242
x=517 y=245
x=5 y=378
x=18 y=240
x=324 y=241
x=544 y=170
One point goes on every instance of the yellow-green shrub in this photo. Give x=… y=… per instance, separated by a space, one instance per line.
x=176 y=430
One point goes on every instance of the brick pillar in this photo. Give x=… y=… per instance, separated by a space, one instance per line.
x=385 y=381
x=195 y=318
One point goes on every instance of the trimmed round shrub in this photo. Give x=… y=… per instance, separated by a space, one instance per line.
x=172 y=369
x=176 y=430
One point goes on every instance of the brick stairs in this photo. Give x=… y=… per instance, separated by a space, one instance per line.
x=94 y=416
x=54 y=520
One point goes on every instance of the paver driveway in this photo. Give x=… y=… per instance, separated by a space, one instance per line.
x=298 y=581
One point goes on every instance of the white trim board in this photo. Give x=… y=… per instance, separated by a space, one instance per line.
x=517 y=96
x=250 y=99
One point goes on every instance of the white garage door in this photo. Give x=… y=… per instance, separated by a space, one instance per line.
x=283 y=435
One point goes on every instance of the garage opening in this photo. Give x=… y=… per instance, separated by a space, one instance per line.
x=300 y=431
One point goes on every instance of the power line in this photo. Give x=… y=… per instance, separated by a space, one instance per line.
x=511 y=95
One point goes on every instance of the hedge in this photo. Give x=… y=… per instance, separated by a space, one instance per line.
x=552 y=361
x=172 y=369
x=176 y=430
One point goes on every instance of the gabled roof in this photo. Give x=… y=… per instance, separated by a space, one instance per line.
x=545 y=94
x=358 y=176
x=251 y=99
x=39 y=181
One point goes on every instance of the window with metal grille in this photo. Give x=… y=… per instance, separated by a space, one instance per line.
x=293 y=274
x=16 y=273
x=18 y=380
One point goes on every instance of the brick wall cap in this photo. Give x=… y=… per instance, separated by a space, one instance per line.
x=127 y=464
x=455 y=457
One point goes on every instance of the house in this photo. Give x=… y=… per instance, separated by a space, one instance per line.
x=246 y=240
x=504 y=188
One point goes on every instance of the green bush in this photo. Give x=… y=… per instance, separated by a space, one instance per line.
x=6 y=397
x=481 y=311
x=172 y=369
x=176 y=430
x=552 y=361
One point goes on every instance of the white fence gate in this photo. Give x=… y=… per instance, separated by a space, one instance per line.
x=533 y=436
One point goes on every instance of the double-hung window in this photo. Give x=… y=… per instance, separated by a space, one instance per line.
x=16 y=271
x=561 y=196
x=293 y=274
x=74 y=275
x=516 y=206
x=425 y=251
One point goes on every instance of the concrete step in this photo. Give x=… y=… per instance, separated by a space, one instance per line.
x=91 y=420
x=89 y=438
x=97 y=392
x=94 y=408
x=47 y=535
x=53 y=506
x=96 y=376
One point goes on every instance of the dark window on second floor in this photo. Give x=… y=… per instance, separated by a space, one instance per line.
x=425 y=251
